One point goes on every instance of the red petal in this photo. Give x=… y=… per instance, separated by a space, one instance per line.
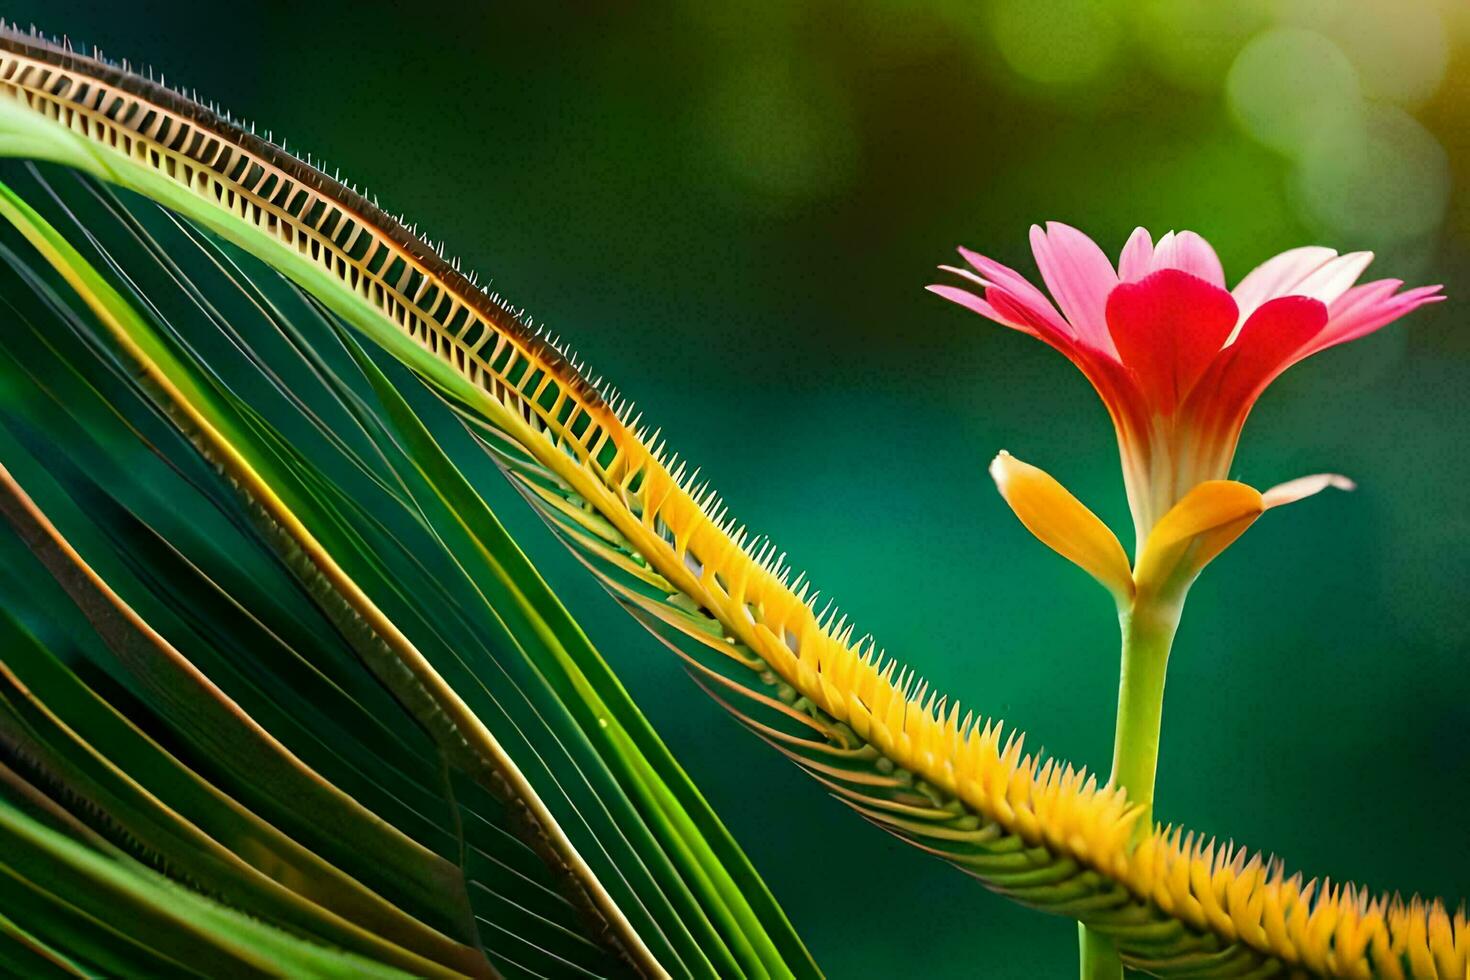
x=1268 y=344
x=1168 y=328
x=1268 y=340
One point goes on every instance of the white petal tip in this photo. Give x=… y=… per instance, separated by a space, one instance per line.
x=998 y=467
x=1305 y=486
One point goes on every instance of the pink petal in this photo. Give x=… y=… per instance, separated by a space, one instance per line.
x=1114 y=383
x=1137 y=256
x=992 y=272
x=1003 y=276
x=1348 y=311
x=1079 y=276
x=1364 y=309
x=1189 y=253
x=1334 y=277
x=1012 y=311
x=972 y=302
x=1169 y=327
x=969 y=274
x=1009 y=311
x=1278 y=276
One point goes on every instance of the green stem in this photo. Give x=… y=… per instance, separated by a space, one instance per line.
x=1148 y=633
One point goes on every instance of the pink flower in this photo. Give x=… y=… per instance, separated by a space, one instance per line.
x=1178 y=359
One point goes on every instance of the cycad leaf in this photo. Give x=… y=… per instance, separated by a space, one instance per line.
x=603 y=708
x=373 y=857
x=511 y=817
x=675 y=864
x=952 y=783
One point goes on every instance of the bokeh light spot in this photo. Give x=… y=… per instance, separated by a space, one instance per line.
x=1289 y=86
x=1062 y=43
x=1400 y=48
x=1382 y=179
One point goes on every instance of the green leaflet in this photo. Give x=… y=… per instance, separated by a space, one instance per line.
x=25 y=955
x=484 y=841
x=40 y=866
x=604 y=709
x=498 y=824
x=63 y=729
x=696 y=885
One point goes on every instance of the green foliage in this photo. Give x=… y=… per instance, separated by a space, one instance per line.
x=224 y=712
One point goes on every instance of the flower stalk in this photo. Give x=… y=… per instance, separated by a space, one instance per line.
x=1148 y=634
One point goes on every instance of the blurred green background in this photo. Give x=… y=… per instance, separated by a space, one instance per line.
x=730 y=210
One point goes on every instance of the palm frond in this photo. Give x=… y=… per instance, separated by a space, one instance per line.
x=583 y=762
x=903 y=756
x=243 y=725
